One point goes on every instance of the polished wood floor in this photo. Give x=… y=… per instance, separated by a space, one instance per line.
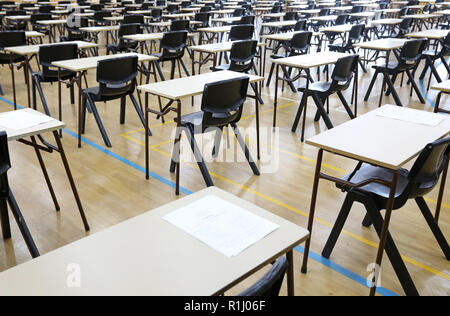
x=113 y=188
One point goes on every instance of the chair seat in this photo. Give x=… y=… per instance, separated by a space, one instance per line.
x=278 y=56
x=380 y=193
x=390 y=66
x=321 y=87
x=431 y=53
x=196 y=118
x=220 y=67
x=64 y=75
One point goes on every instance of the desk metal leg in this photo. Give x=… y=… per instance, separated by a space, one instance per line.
x=4 y=219
x=178 y=148
x=384 y=233
x=147 y=165
x=257 y=121
x=312 y=209
x=71 y=181
x=276 y=96
x=80 y=106
x=28 y=79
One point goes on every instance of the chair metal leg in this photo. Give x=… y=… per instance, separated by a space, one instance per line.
x=299 y=112
x=22 y=226
x=244 y=147
x=416 y=89
x=198 y=156
x=270 y=74
x=184 y=67
x=41 y=94
x=372 y=82
x=4 y=219
x=139 y=112
x=123 y=103
x=322 y=111
x=391 y=250
x=433 y=226
x=99 y=121
x=338 y=225
x=257 y=95
x=345 y=104
x=217 y=142
x=72 y=94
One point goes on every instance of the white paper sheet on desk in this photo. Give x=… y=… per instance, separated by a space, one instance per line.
x=19 y=120
x=223 y=226
x=411 y=115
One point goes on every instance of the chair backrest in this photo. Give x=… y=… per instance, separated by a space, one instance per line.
x=205 y=9
x=238 y=12
x=290 y=16
x=100 y=15
x=276 y=8
x=117 y=76
x=133 y=18
x=324 y=12
x=202 y=17
x=383 y=5
x=160 y=3
x=241 y=32
x=405 y=26
x=356 y=33
x=40 y=17
x=55 y=52
x=173 y=44
x=357 y=9
x=46 y=8
x=411 y=54
x=412 y=2
x=242 y=54
x=428 y=167
x=185 y=4
x=173 y=8
x=226 y=98
x=343 y=72
x=129 y=29
x=247 y=19
x=5 y=164
x=300 y=43
x=15 y=12
x=341 y=19
x=270 y=284
x=445 y=46
x=179 y=25
x=156 y=13
x=97 y=7
x=12 y=38
x=404 y=11
x=300 y=25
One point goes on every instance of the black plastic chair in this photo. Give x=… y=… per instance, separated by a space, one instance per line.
x=270 y=284
x=125 y=45
x=179 y=25
x=409 y=57
x=431 y=56
x=241 y=32
x=49 y=73
x=201 y=17
x=340 y=20
x=156 y=15
x=34 y=18
x=355 y=9
x=222 y=104
x=11 y=39
x=99 y=18
x=133 y=19
x=97 y=7
x=242 y=57
x=117 y=80
x=16 y=25
x=413 y=184
x=245 y=19
x=172 y=47
x=173 y=9
x=238 y=12
x=46 y=8
x=341 y=78
x=301 y=25
x=6 y=195
x=74 y=33
x=355 y=36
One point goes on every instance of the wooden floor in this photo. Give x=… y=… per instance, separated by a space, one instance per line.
x=113 y=188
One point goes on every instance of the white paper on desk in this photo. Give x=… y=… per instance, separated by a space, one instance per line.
x=411 y=115
x=225 y=227
x=19 y=120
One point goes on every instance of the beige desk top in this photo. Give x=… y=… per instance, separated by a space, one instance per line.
x=82 y=64
x=284 y=36
x=226 y=20
x=367 y=14
x=217 y=29
x=279 y=23
x=95 y=29
x=310 y=60
x=17 y=17
x=191 y=86
x=221 y=11
x=131 y=259
x=32 y=131
x=34 y=49
x=178 y=15
x=52 y=22
x=337 y=28
x=216 y=47
x=33 y=34
x=422 y=16
x=379 y=140
x=430 y=34
x=386 y=44
x=324 y=18
x=444 y=86
x=148 y=37
x=387 y=21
